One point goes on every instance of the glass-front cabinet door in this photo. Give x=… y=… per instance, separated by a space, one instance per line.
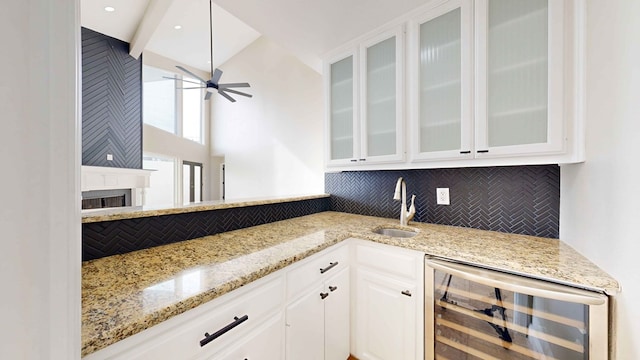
x=441 y=110
x=343 y=137
x=382 y=106
x=473 y=313
x=519 y=88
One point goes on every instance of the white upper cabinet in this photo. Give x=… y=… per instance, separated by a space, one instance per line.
x=342 y=121
x=382 y=106
x=520 y=66
x=441 y=85
x=489 y=82
x=365 y=102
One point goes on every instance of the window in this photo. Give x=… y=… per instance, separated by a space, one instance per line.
x=173 y=105
x=159 y=99
x=192 y=101
x=162 y=189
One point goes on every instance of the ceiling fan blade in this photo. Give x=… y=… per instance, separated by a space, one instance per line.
x=178 y=79
x=236 y=92
x=232 y=85
x=192 y=74
x=216 y=76
x=226 y=96
x=207 y=96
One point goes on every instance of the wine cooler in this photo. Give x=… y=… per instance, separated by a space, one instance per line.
x=473 y=313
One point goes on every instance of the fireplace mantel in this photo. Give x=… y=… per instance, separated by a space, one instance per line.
x=106 y=178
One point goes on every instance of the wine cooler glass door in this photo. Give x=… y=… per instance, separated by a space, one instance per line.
x=479 y=314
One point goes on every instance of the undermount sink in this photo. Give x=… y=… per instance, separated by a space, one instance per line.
x=395 y=232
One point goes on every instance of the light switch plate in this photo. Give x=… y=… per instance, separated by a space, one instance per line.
x=442 y=196
x=109 y=157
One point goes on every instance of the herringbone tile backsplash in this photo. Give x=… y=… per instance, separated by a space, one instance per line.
x=521 y=200
x=516 y=199
x=108 y=238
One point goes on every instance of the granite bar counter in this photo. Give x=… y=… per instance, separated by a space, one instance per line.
x=117 y=231
x=125 y=294
x=135 y=212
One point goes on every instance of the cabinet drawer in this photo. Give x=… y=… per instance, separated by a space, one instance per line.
x=183 y=341
x=316 y=269
x=265 y=343
x=391 y=260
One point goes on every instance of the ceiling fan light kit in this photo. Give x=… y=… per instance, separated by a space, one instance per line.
x=213 y=85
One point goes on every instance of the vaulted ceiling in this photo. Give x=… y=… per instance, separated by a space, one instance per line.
x=306 y=28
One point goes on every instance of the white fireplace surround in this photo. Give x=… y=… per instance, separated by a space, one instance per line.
x=106 y=178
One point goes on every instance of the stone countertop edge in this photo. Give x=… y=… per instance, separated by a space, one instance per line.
x=112 y=214
x=120 y=294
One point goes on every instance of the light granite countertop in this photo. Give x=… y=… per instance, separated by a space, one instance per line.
x=125 y=294
x=134 y=212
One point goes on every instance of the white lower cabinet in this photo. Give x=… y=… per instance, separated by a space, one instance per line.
x=385 y=316
x=336 y=317
x=265 y=343
x=232 y=318
x=317 y=323
x=305 y=326
x=389 y=303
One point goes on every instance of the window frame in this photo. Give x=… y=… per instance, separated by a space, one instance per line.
x=178 y=115
x=181 y=111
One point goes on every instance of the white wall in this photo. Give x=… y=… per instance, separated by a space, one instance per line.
x=160 y=142
x=272 y=143
x=40 y=157
x=600 y=199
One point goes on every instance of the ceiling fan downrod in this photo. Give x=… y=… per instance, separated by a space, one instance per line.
x=213 y=85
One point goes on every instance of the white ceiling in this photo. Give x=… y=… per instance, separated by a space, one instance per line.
x=307 y=28
x=120 y=24
x=311 y=28
x=190 y=45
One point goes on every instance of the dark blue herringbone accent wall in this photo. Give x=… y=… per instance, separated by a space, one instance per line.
x=111 y=102
x=121 y=236
x=517 y=199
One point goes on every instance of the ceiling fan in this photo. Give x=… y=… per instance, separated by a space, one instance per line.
x=213 y=84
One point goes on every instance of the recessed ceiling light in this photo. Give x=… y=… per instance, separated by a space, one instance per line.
x=178 y=27
x=208 y=61
x=109 y=9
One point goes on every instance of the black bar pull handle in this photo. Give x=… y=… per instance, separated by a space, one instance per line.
x=465 y=152
x=210 y=337
x=354 y=160
x=483 y=151
x=362 y=160
x=331 y=266
x=323 y=295
x=406 y=292
x=333 y=288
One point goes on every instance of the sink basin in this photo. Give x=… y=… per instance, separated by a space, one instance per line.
x=395 y=232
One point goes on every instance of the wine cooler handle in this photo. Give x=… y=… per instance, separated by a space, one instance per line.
x=517 y=284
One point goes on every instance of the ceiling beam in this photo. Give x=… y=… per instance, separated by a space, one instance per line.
x=150 y=21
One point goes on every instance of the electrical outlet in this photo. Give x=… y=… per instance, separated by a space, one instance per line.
x=442 y=196
x=109 y=157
